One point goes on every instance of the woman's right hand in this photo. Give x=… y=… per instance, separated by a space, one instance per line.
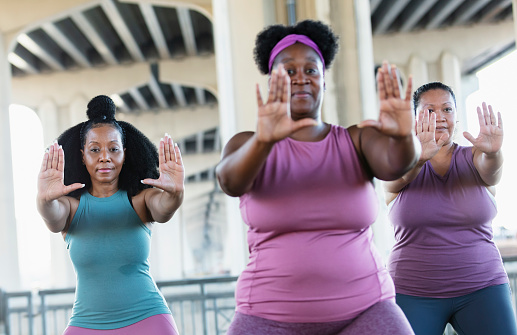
x=51 y=176
x=426 y=133
x=274 y=117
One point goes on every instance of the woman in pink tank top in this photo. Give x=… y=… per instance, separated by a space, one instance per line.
x=306 y=194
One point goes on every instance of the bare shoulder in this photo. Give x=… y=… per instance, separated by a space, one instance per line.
x=236 y=142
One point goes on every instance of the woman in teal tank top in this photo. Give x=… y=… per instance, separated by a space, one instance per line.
x=102 y=197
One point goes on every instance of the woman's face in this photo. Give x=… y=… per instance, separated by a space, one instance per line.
x=103 y=154
x=441 y=103
x=305 y=68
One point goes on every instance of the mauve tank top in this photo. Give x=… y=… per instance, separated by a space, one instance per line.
x=309 y=213
x=443 y=232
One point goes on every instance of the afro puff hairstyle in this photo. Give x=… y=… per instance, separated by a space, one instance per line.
x=141 y=155
x=317 y=31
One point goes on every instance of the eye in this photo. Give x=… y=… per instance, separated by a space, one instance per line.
x=431 y=110
x=94 y=149
x=289 y=72
x=448 y=109
x=114 y=149
x=311 y=71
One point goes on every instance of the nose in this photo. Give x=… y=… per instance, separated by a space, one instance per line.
x=299 y=78
x=104 y=156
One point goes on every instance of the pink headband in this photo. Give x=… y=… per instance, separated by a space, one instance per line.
x=290 y=40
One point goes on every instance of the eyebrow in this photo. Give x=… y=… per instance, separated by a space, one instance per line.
x=112 y=141
x=444 y=104
x=311 y=59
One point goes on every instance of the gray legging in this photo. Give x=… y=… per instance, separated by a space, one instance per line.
x=383 y=318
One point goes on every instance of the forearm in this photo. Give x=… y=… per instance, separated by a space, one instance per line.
x=395 y=186
x=390 y=158
x=489 y=166
x=403 y=154
x=54 y=213
x=162 y=204
x=237 y=171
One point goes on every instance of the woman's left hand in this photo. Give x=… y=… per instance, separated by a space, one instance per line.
x=490 y=137
x=172 y=171
x=396 y=117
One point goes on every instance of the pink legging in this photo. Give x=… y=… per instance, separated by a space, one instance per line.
x=383 y=318
x=162 y=324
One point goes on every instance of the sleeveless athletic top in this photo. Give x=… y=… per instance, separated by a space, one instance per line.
x=309 y=213
x=109 y=246
x=443 y=231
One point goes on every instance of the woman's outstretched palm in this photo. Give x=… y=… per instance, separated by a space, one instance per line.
x=395 y=117
x=172 y=171
x=274 y=117
x=51 y=176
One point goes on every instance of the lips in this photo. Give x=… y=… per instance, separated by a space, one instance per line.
x=104 y=170
x=301 y=94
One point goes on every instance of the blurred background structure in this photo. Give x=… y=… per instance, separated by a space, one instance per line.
x=186 y=67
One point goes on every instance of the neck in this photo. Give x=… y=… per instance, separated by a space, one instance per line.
x=103 y=190
x=312 y=134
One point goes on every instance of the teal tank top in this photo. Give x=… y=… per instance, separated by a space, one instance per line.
x=109 y=247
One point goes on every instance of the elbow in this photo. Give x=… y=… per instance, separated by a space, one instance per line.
x=227 y=187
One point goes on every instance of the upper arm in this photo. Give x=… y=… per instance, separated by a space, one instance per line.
x=236 y=142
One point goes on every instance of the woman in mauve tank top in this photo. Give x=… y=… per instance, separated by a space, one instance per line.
x=444 y=264
x=306 y=193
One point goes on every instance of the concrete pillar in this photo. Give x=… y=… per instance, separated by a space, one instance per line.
x=234 y=37
x=353 y=69
x=10 y=272
x=417 y=67
x=450 y=73
x=514 y=5
x=61 y=269
x=48 y=114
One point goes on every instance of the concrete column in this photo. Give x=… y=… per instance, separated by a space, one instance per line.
x=514 y=5
x=353 y=69
x=417 y=67
x=237 y=75
x=10 y=272
x=61 y=269
x=48 y=114
x=450 y=72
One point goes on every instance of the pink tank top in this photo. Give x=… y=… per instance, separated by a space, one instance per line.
x=309 y=213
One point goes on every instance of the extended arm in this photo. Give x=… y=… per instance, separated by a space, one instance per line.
x=246 y=152
x=488 y=157
x=52 y=203
x=389 y=144
x=166 y=197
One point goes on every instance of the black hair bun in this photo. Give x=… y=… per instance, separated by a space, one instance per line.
x=101 y=107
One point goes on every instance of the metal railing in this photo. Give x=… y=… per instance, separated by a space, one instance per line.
x=199 y=307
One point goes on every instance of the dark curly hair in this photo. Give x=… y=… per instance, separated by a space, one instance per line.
x=317 y=31
x=435 y=85
x=141 y=155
